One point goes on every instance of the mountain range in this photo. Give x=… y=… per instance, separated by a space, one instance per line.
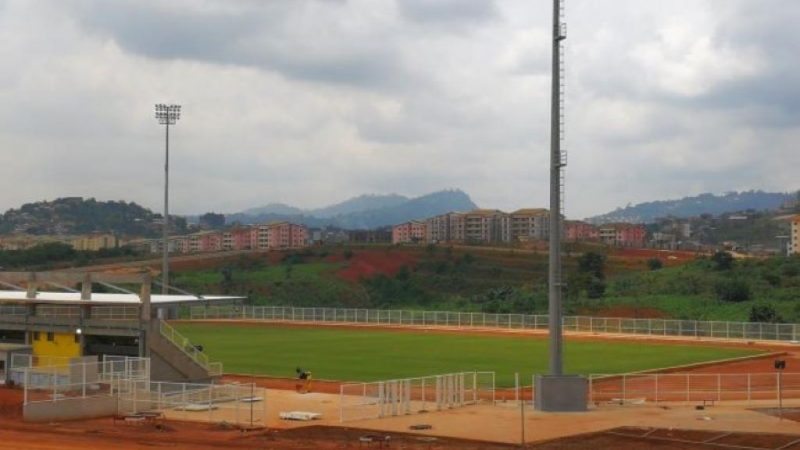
x=698 y=205
x=362 y=212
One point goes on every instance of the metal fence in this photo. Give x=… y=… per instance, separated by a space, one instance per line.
x=583 y=324
x=693 y=387
x=234 y=403
x=359 y=401
x=189 y=349
x=83 y=379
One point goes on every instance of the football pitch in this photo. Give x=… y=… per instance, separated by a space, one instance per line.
x=365 y=354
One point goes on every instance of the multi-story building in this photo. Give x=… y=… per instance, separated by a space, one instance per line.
x=529 y=223
x=457 y=226
x=576 y=230
x=437 y=228
x=794 y=243
x=485 y=226
x=238 y=238
x=408 y=232
x=622 y=234
x=93 y=242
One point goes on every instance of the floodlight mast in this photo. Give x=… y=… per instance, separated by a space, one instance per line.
x=557 y=164
x=167 y=115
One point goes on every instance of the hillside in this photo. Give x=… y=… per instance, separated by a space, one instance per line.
x=697 y=205
x=366 y=211
x=505 y=281
x=75 y=215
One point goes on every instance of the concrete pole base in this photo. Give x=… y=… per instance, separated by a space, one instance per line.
x=564 y=393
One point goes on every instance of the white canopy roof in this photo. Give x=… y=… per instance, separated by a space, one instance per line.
x=74 y=298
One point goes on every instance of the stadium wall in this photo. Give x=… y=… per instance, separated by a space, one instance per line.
x=70 y=409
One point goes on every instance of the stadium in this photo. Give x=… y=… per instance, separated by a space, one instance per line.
x=455 y=378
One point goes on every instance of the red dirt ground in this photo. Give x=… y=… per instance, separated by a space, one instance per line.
x=105 y=433
x=366 y=264
x=666 y=256
x=660 y=439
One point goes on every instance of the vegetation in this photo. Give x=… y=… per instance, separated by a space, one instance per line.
x=56 y=254
x=75 y=215
x=340 y=354
x=510 y=281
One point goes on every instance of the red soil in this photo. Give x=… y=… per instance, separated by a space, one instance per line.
x=106 y=433
x=367 y=264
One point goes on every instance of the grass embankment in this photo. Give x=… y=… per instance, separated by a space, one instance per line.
x=498 y=280
x=368 y=355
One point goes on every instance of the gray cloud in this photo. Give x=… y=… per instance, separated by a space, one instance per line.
x=309 y=102
x=448 y=10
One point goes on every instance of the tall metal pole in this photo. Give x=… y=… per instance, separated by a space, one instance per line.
x=167 y=115
x=554 y=274
x=165 y=253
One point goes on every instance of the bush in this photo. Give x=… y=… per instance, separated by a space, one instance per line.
x=764 y=313
x=348 y=254
x=733 y=290
x=596 y=288
x=722 y=261
x=654 y=264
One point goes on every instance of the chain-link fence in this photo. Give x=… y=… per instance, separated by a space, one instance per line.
x=582 y=324
x=377 y=399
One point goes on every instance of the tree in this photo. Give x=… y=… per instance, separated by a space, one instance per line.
x=764 y=313
x=592 y=263
x=591 y=276
x=732 y=290
x=722 y=260
x=596 y=288
x=212 y=220
x=654 y=264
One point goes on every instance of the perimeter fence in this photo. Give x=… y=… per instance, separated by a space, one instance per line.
x=359 y=401
x=786 y=332
x=234 y=403
x=693 y=387
x=82 y=378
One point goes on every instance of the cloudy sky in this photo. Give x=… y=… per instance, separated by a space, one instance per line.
x=311 y=102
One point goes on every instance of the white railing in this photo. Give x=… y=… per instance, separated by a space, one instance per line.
x=372 y=400
x=693 y=387
x=235 y=403
x=86 y=377
x=190 y=350
x=584 y=324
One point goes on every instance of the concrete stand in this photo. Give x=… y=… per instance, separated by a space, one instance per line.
x=564 y=393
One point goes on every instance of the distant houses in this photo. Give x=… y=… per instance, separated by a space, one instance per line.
x=268 y=236
x=492 y=226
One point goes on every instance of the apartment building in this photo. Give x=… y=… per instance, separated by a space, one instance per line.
x=270 y=236
x=794 y=243
x=576 y=230
x=485 y=226
x=408 y=232
x=622 y=234
x=437 y=228
x=238 y=238
x=93 y=242
x=530 y=223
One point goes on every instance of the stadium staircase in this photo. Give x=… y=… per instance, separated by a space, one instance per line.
x=174 y=358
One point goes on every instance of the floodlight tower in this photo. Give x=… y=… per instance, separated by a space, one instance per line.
x=167 y=115
x=556 y=391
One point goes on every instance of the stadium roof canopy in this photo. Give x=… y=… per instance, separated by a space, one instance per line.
x=9 y=297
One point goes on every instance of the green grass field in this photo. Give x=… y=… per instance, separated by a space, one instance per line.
x=368 y=355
